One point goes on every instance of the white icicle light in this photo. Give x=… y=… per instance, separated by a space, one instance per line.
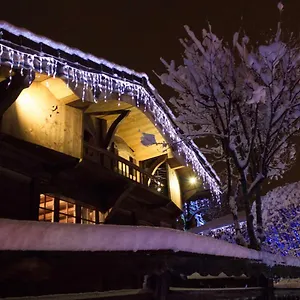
x=107 y=84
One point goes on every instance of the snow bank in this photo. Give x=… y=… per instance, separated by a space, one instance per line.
x=40 y=236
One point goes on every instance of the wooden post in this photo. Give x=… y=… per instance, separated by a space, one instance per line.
x=100 y=131
x=113 y=128
x=34 y=200
x=159 y=284
x=268 y=287
x=97 y=216
x=56 y=209
x=270 y=295
x=78 y=213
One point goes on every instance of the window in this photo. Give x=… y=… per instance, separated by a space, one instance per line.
x=46 y=209
x=66 y=212
x=54 y=209
x=88 y=215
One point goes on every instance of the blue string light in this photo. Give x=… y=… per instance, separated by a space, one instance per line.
x=282 y=232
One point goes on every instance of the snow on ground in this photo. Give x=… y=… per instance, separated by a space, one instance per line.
x=288 y=283
x=40 y=236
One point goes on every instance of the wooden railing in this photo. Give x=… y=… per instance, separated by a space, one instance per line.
x=120 y=165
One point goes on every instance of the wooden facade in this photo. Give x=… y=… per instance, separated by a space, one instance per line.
x=71 y=153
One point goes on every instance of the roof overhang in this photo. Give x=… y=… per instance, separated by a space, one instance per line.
x=21 y=49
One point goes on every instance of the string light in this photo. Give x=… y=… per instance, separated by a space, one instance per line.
x=104 y=83
x=282 y=237
x=11 y=67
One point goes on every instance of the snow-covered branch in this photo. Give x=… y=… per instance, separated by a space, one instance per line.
x=245 y=99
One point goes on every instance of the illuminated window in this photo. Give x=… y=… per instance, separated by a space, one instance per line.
x=88 y=215
x=46 y=209
x=66 y=212
x=53 y=209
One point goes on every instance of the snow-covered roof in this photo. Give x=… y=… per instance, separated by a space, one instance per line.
x=22 y=49
x=42 y=236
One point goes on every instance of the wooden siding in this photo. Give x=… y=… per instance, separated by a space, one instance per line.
x=39 y=117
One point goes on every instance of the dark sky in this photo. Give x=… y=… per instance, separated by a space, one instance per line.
x=136 y=33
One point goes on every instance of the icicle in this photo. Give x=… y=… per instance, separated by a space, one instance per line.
x=76 y=79
x=83 y=92
x=85 y=85
x=110 y=85
x=94 y=87
x=23 y=62
x=55 y=68
x=11 y=58
x=18 y=55
x=41 y=65
x=119 y=95
x=30 y=60
x=68 y=73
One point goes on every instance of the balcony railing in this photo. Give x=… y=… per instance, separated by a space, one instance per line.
x=120 y=165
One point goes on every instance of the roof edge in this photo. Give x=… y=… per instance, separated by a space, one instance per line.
x=73 y=51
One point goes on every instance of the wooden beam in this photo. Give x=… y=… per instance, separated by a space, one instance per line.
x=113 y=128
x=174 y=163
x=120 y=200
x=97 y=128
x=106 y=113
x=155 y=165
x=79 y=104
x=89 y=125
x=11 y=88
x=71 y=99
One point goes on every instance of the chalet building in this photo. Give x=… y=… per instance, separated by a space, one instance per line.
x=83 y=140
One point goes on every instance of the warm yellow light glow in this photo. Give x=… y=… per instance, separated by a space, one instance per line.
x=29 y=105
x=24 y=99
x=193 y=180
x=159 y=189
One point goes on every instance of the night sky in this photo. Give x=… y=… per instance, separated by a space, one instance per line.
x=136 y=33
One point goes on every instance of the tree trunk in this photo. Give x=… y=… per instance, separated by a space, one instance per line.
x=254 y=244
x=259 y=220
x=232 y=200
x=239 y=238
x=234 y=211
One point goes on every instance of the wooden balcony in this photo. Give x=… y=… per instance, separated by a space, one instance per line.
x=101 y=179
x=121 y=166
